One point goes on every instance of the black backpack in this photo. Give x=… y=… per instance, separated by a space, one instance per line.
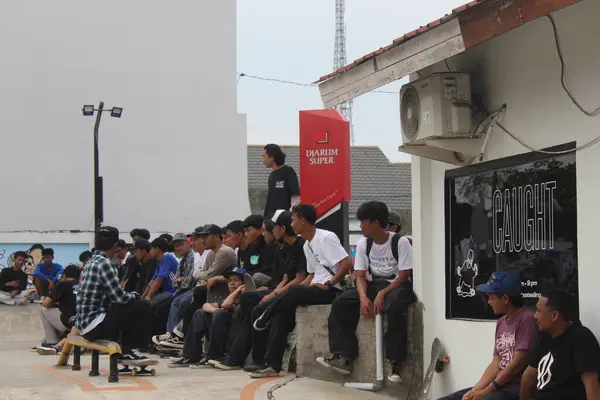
x=395 y=241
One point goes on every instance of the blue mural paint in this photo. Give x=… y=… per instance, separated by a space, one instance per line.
x=64 y=253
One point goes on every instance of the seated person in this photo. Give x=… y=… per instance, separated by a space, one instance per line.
x=565 y=362
x=211 y=324
x=184 y=279
x=84 y=257
x=13 y=281
x=514 y=341
x=47 y=273
x=219 y=257
x=104 y=310
x=58 y=309
x=247 y=238
x=160 y=289
x=387 y=258
x=288 y=270
x=327 y=264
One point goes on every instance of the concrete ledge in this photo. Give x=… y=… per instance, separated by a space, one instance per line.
x=20 y=324
x=312 y=342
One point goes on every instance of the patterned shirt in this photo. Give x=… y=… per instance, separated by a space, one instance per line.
x=99 y=288
x=185 y=270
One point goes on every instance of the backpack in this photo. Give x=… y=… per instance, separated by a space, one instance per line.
x=395 y=240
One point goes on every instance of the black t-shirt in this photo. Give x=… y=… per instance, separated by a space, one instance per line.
x=65 y=297
x=251 y=259
x=9 y=275
x=561 y=361
x=290 y=260
x=283 y=184
x=145 y=274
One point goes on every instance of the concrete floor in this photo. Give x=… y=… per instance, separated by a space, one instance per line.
x=27 y=375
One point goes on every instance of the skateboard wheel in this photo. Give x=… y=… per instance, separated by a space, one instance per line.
x=152 y=372
x=134 y=372
x=162 y=356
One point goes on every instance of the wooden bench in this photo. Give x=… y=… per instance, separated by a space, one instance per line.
x=76 y=343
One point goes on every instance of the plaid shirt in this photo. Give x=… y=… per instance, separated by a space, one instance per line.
x=185 y=270
x=98 y=289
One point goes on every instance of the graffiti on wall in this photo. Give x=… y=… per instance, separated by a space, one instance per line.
x=64 y=253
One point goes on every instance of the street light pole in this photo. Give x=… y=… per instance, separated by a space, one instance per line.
x=98 y=192
x=116 y=112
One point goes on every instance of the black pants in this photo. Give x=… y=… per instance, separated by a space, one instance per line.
x=131 y=320
x=160 y=305
x=219 y=333
x=198 y=301
x=345 y=314
x=283 y=320
x=242 y=337
x=199 y=329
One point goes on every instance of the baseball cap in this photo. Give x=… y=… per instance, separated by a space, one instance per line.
x=502 y=282
x=142 y=244
x=179 y=237
x=109 y=233
x=208 y=229
x=284 y=219
x=395 y=218
x=235 y=271
x=276 y=215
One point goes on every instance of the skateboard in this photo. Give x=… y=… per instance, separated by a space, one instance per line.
x=439 y=359
x=135 y=368
x=217 y=293
x=289 y=356
x=164 y=351
x=249 y=283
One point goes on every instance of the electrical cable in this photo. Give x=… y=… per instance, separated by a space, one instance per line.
x=275 y=80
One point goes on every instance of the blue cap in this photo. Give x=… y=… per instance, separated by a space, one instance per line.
x=235 y=271
x=502 y=282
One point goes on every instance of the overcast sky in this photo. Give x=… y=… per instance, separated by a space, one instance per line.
x=293 y=40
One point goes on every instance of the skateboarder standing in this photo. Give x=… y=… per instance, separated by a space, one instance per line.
x=387 y=257
x=514 y=340
x=104 y=309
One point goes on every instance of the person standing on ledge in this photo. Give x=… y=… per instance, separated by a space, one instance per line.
x=284 y=189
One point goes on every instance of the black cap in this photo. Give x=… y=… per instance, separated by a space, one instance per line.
x=109 y=233
x=208 y=229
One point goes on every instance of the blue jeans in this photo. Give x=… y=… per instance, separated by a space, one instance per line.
x=177 y=307
x=493 y=396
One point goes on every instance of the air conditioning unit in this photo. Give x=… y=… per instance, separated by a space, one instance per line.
x=437 y=106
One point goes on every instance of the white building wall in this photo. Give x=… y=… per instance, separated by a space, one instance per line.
x=521 y=69
x=177 y=157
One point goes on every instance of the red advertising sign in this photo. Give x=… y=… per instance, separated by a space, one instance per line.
x=324 y=159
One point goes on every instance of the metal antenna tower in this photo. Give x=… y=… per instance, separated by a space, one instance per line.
x=339 y=58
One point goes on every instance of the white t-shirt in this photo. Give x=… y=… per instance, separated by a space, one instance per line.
x=200 y=263
x=382 y=259
x=324 y=249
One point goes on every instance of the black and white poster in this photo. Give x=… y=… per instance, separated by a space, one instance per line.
x=517 y=214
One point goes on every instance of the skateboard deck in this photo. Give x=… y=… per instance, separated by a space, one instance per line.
x=137 y=367
x=439 y=359
x=249 y=283
x=167 y=351
x=217 y=293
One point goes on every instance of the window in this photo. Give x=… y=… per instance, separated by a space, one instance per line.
x=516 y=214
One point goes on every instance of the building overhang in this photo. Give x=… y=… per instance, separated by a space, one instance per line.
x=466 y=27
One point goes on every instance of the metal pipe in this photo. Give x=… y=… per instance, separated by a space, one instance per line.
x=378 y=385
x=97 y=189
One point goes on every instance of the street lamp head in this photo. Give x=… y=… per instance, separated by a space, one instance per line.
x=116 y=112
x=88 y=110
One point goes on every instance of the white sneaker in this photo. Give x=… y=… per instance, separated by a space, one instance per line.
x=46 y=351
x=175 y=343
x=156 y=339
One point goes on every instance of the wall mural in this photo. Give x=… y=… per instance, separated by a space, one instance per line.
x=516 y=214
x=64 y=253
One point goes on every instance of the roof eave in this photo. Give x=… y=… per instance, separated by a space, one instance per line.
x=465 y=29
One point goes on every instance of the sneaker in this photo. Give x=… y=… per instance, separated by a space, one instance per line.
x=264 y=320
x=228 y=364
x=133 y=355
x=200 y=364
x=175 y=343
x=43 y=344
x=264 y=373
x=183 y=362
x=254 y=367
x=342 y=365
x=156 y=339
x=46 y=351
x=394 y=372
